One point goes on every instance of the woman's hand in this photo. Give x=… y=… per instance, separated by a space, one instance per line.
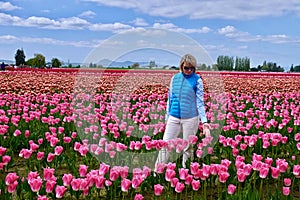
x=206 y=129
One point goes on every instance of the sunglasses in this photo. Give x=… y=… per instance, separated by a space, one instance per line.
x=189 y=68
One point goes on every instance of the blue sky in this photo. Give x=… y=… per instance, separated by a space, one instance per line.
x=71 y=29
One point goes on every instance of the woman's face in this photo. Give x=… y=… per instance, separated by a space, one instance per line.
x=187 y=68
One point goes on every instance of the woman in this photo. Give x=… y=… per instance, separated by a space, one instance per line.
x=185 y=107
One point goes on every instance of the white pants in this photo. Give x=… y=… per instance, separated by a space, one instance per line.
x=173 y=128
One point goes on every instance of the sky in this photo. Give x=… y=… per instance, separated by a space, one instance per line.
x=161 y=30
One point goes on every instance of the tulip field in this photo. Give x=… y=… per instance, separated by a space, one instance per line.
x=95 y=134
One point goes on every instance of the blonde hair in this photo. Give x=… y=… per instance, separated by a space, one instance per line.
x=187 y=59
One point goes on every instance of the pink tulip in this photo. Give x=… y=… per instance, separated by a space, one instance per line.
x=50 y=157
x=188 y=179
x=125 y=185
x=50 y=186
x=48 y=173
x=32 y=175
x=25 y=153
x=235 y=151
x=193 y=139
x=158 y=189
x=286 y=191
x=40 y=155
x=27 y=133
x=103 y=169
x=99 y=182
x=67 y=139
x=263 y=172
x=241 y=175
x=2 y=150
x=75 y=184
x=12 y=187
x=58 y=150
x=138 y=197
x=282 y=164
x=146 y=172
x=123 y=172
x=74 y=135
x=183 y=173
x=206 y=170
x=296 y=170
x=17 y=133
x=61 y=130
x=60 y=191
x=195 y=185
x=35 y=184
x=6 y=159
x=170 y=173
x=40 y=141
x=67 y=179
x=137 y=181
x=174 y=182
x=298 y=146
x=44 y=197
x=53 y=141
x=223 y=176
x=160 y=168
x=269 y=161
x=11 y=178
x=33 y=146
x=194 y=167
x=179 y=187
x=287 y=181
x=114 y=174
x=231 y=189
x=275 y=172
x=199 y=153
x=108 y=183
x=83 y=170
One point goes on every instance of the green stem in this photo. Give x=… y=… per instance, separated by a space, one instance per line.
x=205 y=190
x=260 y=189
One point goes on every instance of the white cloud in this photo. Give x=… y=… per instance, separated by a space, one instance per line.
x=139 y=22
x=114 y=27
x=89 y=14
x=7 y=6
x=232 y=32
x=8 y=39
x=173 y=27
x=207 y=9
x=71 y=23
x=116 y=3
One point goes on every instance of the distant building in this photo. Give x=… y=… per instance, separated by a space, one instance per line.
x=174 y=68
x=152 y=64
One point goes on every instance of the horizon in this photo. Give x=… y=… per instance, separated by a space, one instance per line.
x=71 y=31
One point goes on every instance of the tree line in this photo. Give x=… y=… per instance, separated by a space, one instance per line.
x=224 y=63
x=38 y=61
x=228 y=63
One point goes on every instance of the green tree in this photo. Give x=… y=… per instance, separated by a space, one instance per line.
x=40 y=60
x=55 y=62
x=30 y=62
x=225 y=63
x=135 y=65
x=242 y=64
x=292 y=68
x=297 y=68
x=264 y=67
x=20 y=57
x=202 y=67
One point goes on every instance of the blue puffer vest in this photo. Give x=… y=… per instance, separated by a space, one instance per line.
x=183 y=97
